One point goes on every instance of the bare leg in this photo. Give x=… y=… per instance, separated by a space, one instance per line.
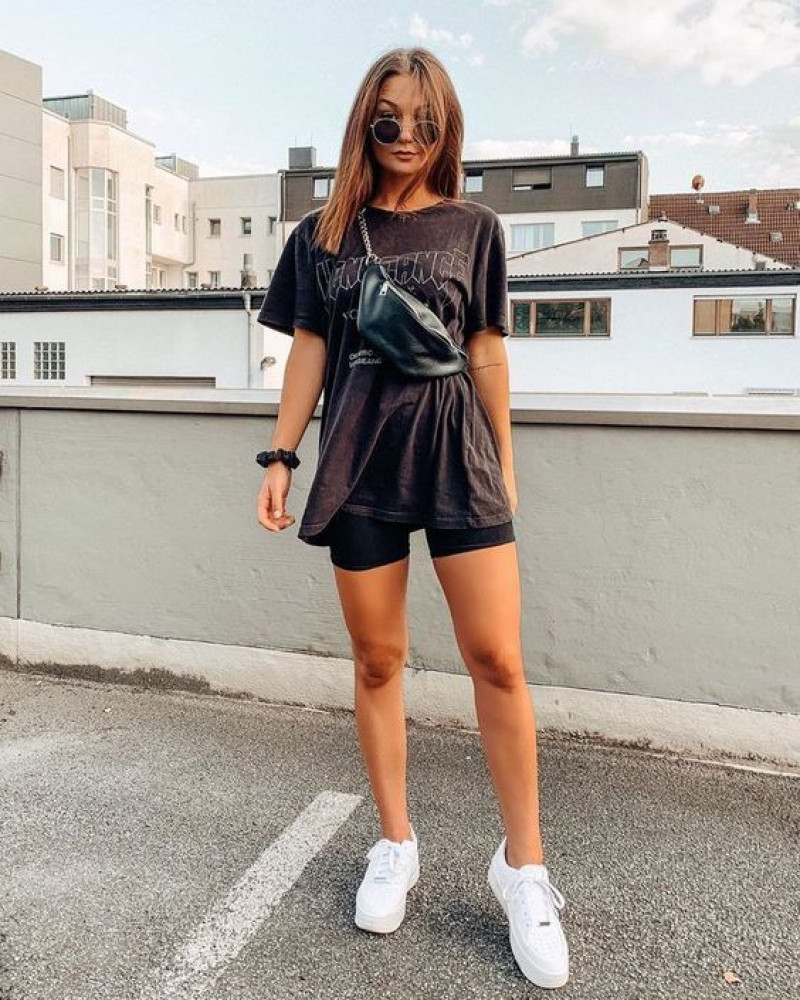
x=374 y=608
x=483 y=594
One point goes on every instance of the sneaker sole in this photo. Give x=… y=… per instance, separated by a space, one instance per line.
x=388 y=922
x=536 y=975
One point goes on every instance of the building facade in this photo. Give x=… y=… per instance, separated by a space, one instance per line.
x=21 y=157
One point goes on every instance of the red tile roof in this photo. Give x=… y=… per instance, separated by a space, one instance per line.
x=778 y=212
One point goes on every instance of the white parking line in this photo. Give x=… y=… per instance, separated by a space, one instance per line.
x=229 y=924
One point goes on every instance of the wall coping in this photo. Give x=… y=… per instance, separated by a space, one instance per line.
x=635 y=409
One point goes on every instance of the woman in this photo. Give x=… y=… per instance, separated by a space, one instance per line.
x=398 y=455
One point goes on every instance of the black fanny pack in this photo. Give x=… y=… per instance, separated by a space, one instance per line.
x=400 y=327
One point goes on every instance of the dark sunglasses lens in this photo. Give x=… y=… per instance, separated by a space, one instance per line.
x=426 y=133
x=386 y=130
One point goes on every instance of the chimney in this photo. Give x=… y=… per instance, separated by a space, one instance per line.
x=573 y=146
x=658 y=247
x=752 y=206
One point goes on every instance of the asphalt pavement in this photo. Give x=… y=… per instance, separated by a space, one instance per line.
x=161 y=845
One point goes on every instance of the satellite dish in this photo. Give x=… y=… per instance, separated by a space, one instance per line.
x=698 y=181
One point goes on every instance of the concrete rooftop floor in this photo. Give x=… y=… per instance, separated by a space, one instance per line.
x=130 y=813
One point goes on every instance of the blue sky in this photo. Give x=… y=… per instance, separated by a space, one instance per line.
x=701 y=86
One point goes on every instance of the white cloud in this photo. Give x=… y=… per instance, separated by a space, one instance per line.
x=420 y=29
x=231 y=166
x=765 y=155
x=490 y=149
x=722 y=41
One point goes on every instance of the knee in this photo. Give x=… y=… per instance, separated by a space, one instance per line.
x=497 y=665
x=377 y=662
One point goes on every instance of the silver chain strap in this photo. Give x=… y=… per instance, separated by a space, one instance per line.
x=365 y=235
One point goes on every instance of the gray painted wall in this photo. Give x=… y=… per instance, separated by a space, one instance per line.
x=657 y=560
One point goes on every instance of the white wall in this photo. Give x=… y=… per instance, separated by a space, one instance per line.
x=20 y=174
x=101 y=144
x=652 y=349
x=567 y=226
x=56 y=212
x=598 y=254
x=228 y=199
x=135 y=342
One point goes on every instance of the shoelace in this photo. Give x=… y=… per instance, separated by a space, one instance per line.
x=388 y=865
x=539 y=896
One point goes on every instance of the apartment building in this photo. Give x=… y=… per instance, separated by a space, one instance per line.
x=541 y=201
x=21 y=173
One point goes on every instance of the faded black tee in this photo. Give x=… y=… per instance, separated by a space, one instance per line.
x=417 y=450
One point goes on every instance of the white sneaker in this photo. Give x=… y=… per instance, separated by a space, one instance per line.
x=531 y=904
x=381 y=898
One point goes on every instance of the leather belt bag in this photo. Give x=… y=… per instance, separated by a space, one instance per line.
x=401 y=328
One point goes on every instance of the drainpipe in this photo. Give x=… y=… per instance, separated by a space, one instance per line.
x=253 y=349
x=194 y=241
x=70 y=215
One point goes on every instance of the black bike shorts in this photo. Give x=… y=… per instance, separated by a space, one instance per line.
x=358 y=541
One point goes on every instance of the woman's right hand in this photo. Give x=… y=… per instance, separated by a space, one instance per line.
x=272 y=513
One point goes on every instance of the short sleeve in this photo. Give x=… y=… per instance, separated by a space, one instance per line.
x=295 y=296
x=488 y=302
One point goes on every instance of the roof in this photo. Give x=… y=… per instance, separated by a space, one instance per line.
x=776 y=212
x=608 y=233
x=530 y=159
x=232 y=298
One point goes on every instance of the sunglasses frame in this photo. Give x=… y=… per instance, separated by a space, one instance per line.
x=393 y=118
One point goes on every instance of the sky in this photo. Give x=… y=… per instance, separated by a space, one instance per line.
x=700 y=86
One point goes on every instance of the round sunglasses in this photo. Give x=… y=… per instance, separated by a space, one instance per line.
x=386 y=129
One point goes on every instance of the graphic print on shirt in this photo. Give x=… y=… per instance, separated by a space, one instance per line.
x=431 y=270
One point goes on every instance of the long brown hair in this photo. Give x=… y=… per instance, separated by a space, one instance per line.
x=357 y=169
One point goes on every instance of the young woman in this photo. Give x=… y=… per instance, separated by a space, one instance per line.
x=399 y=454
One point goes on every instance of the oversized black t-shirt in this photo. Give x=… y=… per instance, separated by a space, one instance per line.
x=417 y=450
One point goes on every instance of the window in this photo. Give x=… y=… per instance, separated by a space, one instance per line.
x=595 y=177
x=685 y=256
x=56 y=248
x=176 y=221
x=8 y=359
x=247 y=261
x=745 y=315
x=247 y=225
x=322 y=186
x=271 y=220
x=597 y=226
x=561 y=318
x=473 y=183
x=48 y=359
x=191 y=279
x=214 y=227
x=631 y=258
x=96 y=228
x=56 y=182
x=531 y=179
x=157 y=214
x=533 y=235
x=213 y=279
x=183 y=223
